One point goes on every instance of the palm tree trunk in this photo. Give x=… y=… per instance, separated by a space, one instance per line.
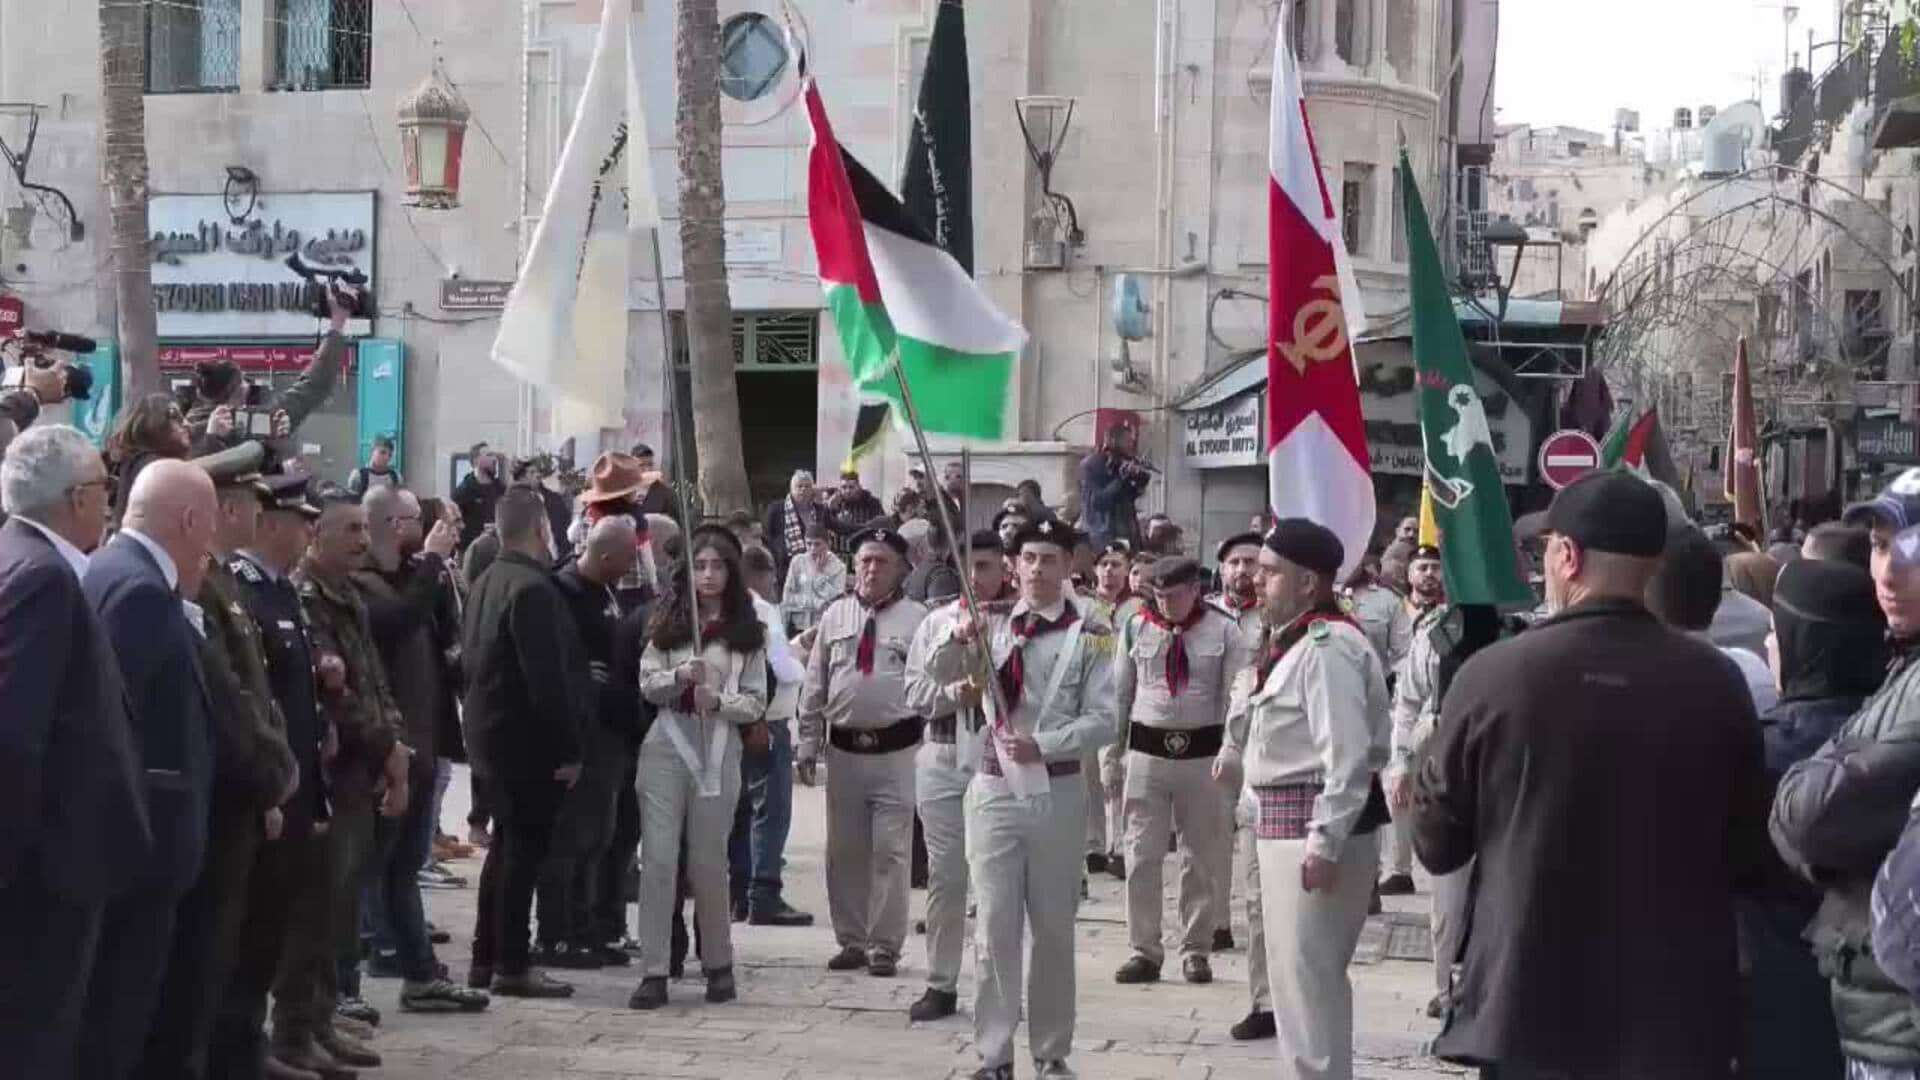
x=703 y=253
x=123 y=156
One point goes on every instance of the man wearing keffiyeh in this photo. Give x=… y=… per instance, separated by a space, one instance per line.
x=856 y=691
x=1172 y=681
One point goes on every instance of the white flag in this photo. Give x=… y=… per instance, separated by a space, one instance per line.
x=565 y=324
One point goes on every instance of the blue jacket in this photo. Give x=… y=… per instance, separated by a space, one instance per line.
x=159 y=659
x=1107 y=501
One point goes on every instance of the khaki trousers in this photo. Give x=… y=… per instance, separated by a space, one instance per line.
x=1106 y=818
x=944 y=826
x=671 y=806
x=870 y=847
x=1396 y=844
x=1310 y=942
x=1246 y=867
x=1025 y=857
x=1451 y=895
x=1163 y=796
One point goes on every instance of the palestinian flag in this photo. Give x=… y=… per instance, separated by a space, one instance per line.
x=904 y=309
x=1639 y=445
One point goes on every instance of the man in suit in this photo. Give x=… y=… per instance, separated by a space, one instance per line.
x=71 y=792
x=135 y=585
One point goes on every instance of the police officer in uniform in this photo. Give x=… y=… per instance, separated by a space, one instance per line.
x=286 y=939
x=942 y=771
x=1239 y=565
x=254 y=772
x=1053 y=664
x=856 y=690
x=1172 y=680
x=1317 y=737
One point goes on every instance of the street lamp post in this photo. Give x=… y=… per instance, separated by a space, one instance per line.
x=1501 y=234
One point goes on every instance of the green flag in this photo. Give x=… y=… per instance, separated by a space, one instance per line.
x=1462 y=475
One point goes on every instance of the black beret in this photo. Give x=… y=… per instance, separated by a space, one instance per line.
x=1116 y=547
x=1425 y=551
x=1175 y=570
x=1613 y=512
x=1047 y=531
x=881 y=534
x=1307 y=544
x=986 y=540
x=1231 y=542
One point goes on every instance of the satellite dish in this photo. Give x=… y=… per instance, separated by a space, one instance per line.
x=1132 y=318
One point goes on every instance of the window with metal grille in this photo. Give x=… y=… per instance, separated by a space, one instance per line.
x=1356 y=209
x=193 y=46
x=323 y=44
x=782 y=340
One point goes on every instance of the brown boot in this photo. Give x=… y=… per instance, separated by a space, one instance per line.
x=311 y=1060
x=275 y=1069
x=346 y=1049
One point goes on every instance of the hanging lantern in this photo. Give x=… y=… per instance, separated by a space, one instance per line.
x=433 y=129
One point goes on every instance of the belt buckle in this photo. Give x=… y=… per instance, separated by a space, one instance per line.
x=866 y=740
x=1177 y=742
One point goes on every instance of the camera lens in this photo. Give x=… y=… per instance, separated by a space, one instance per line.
x=79 y=382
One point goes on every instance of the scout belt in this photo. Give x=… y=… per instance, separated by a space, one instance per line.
x=990 y=766
x=898 y=735
x=942 y=729
x=1285 y=810
x=1175 y=744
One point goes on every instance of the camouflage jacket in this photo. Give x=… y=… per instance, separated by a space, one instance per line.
x=363 y=711
x=254 y=766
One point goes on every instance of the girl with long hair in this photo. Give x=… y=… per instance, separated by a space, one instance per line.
x=712 y=703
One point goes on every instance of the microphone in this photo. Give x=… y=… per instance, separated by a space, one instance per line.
x=54 y=339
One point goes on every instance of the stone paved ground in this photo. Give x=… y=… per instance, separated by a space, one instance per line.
x=795 y=1019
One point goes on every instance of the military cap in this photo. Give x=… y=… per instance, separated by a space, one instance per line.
x=1307 y=544
x=1046 y=531
x=881 y=534
x=236 y=467
x=1231 y=542
x=1425 y=551
x=288 y=491
x=1175 y=570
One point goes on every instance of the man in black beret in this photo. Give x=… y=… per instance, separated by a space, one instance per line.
x=1310 y=746
x=1605 y=772
x=1175 y=665
x=854 y=700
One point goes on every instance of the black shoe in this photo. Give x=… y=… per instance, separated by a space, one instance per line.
x=531 y=983
x=1137 y=969
x=1257 y=1024
x=609 y=955
x=1397 y=885
x=566 y=957
x=479 y=978
x=440 y=996
x=1437 y=1008
x=651 y=994
x=919 y=926
x=851 y=958
x=383 y=965
x=1223 y=940
x=934 y=1005
x=778 y=913
x=739 y=909
x=993 y=1072
x=437 y=936
x=1096 y=863
x=1117 y=867
x=883 y=966
x=720 y=988
x=1195 y=969
x=1373 y=903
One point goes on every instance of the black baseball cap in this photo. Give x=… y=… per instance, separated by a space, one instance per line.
x=1897 y=506
x=1613 y=512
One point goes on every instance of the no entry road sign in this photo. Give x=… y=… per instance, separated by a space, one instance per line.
x=1566 y=456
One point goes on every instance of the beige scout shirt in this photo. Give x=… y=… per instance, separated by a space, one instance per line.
x=1217 y=651
x=1416 y=698
x=1079 y=718
x=944 y=767
x=1321 y=717
x=838 y=693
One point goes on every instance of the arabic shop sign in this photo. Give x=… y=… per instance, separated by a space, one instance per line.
x=1886 y=439
x=1227 y=434
x=1388 y=406
x=213 y=277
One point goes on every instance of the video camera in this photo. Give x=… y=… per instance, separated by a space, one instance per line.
x=329 y=279
x=79 y=379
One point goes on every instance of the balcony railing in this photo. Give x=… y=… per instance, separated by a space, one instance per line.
x=1896 y=94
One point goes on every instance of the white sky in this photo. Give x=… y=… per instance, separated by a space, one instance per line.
x=1576 y=61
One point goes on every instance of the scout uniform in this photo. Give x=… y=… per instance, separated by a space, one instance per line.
x=1172 y=682
x=856 y=691
x=1106 y=769
x=1055 y=670
x=942 y=770
x=1318 y=734
x=1416 y=708
x=253 y=768
x=1243 y=864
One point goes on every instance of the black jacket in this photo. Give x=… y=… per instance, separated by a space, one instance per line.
x=73 y=806
x=1835 y=818
x=527 y=702
x=1107 y=500
x=1604 y=772
x=403 y=609
x=476 y=498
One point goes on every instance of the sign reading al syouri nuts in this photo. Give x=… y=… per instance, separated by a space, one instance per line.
x=1227 y=434
x=213 y=277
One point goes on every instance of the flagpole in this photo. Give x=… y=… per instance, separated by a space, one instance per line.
x=679 y=467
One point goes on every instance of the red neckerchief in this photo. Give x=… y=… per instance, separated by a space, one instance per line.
x=1290 y=636
x=1238 y=606
x=1026 y=627
x=870 y=633
x=1178 y=669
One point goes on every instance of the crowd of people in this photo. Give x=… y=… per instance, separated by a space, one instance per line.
x=1663 y=818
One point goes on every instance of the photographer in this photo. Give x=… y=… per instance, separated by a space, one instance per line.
x=1111 y=480
x=220 y=390
x=36 y=379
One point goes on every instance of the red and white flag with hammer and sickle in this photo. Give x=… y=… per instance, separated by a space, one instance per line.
x=1317 y=460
